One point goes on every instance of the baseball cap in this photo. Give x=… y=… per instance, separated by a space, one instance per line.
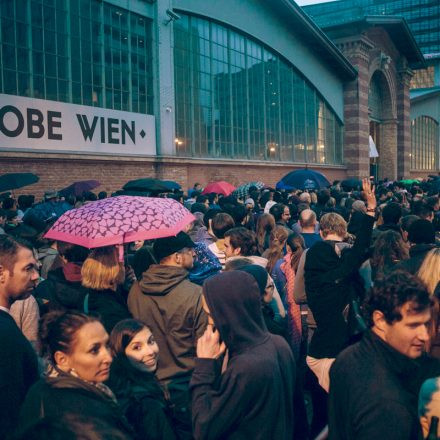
x=163 y=247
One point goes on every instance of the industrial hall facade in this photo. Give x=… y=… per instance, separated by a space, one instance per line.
x=184 y=90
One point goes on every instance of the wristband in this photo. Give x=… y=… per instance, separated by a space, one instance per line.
x=371 y=209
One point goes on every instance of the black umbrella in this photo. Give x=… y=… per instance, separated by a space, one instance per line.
x=17 y=180
x=151 y=185
x=78 y=188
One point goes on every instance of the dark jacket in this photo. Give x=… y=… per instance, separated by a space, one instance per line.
x=68 y=395
x=109 y=305
x=374 y=392
x=18 y=371
x=172 y=307
x=142 y=401
x=59 y=293
x=384 y=228
x=417 y=254
x=253 y=397
x=330 y=282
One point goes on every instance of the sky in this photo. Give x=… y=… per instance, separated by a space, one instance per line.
x=310 y=2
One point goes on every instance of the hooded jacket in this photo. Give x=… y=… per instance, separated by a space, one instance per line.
x=417 y=254
x=253 y=397
x=59 y=292
x=172 y=307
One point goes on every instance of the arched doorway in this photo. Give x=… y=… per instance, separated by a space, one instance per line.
x=382 y=127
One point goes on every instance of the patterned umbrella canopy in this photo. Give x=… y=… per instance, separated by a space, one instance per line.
x=243 y=190
x=120 y=219
x=220 y=187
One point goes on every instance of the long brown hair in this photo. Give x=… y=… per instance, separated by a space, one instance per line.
x=297 y=246
x=278 y=239
x=265 y=225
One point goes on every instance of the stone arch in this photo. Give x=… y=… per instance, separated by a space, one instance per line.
x=383 y=122
x=388 y=84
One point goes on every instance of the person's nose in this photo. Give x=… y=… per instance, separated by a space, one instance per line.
x=150 y=350
x=424 y=333
x=107 y=356
x=35 y=275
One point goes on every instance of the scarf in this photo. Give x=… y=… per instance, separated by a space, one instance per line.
x=293 y=309
x=72 y=272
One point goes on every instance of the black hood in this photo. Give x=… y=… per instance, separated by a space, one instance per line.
x=68 y=294
x=234 y=302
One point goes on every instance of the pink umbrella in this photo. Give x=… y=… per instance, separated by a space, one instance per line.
x=119 y=220
x=220 y=187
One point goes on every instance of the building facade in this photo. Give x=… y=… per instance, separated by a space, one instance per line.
x=117 y=90
x=423 y=20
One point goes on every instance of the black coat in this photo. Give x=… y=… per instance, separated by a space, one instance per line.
x=417 y=254
x=253 y=397
x=58 y=293
x=18 y=371
x=142 y=401
x=109 y=305
x=67 y=395
x=374 y=392
x=330 y=282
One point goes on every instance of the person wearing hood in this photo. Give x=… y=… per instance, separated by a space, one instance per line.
x=171 y=306
x=253 y=396
x=62 y=289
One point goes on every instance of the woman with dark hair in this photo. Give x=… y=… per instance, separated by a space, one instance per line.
x=133 y=382
x=283 y=274
x=79 y=362
x=389 y=249
x=265 y=225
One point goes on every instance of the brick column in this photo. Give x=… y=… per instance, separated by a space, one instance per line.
x=388 y=150
x=404 y=122
x=356 y=150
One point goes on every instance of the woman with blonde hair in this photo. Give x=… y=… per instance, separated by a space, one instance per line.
x=102 y=275
x=265 y=225
x=429 y=273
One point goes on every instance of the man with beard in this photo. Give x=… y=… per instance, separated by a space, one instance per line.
x=18 y=362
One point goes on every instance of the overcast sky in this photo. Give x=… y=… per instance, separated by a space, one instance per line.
x=310 y=2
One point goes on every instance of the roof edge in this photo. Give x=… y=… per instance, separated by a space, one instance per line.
x=321 y=37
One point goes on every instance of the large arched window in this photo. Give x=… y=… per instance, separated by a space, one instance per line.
x=424 y=143
x=235 y=98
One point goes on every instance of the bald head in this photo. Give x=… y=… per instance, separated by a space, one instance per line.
x=307 y=220
x=305 y=198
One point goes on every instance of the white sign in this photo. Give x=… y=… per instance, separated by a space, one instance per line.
x=27 y=123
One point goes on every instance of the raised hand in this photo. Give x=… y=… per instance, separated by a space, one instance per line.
x=209 y=346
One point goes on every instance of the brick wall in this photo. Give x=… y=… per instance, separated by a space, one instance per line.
x=57 y=172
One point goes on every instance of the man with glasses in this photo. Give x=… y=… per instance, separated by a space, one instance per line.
x=171 y=305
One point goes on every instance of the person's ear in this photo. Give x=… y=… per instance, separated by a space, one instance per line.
x=379 y=321
x=2 y=274
x=62 y=360
x=237 y=251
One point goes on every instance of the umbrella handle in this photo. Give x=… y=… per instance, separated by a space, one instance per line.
x=121 y=252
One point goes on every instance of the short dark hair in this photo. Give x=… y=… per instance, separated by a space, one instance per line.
x=391 y=292
x=407 y=221
x=209 y=215
x=8 y=250
x=277 y=211
x=102 y=195
x=422 y=209
x=323 y=196
x=392 y=213
x=8 y=203
x=201 y=199
x=244 y=239
x=221 y=223
x=73 y=253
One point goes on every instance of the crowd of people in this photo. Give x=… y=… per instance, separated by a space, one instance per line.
x=278 y=315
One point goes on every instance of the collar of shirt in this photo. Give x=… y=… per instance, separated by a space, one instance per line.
x=4 y=309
